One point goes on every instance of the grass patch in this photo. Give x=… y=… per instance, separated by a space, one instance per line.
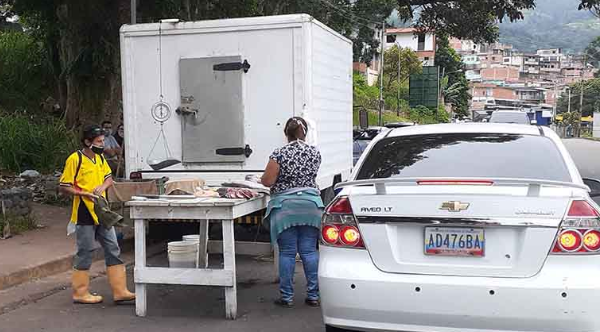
x=18 y=225
x=29 y=142
x=388 y=117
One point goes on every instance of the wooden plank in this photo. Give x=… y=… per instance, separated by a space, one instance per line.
x=240 y=210
x=178 y=276
x=203 y=245
x=179 y=213
x=242 y=248
x=198 y=202
x=140 y=262
x=229 y=264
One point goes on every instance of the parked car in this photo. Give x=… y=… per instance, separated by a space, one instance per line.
x=362 y=140
x=586 y=154
x=462 y=227
x=515 y=117
x=364 y=137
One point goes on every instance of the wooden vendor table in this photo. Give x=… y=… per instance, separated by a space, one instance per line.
x=187 y=210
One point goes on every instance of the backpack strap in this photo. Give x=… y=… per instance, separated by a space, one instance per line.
x=79 y=154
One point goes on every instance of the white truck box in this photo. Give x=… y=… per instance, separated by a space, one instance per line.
x=297 y=67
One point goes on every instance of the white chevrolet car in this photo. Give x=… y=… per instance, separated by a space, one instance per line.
x=462 y=228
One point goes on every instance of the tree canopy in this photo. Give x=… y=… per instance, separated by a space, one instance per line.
x=455 y=87
x=591 y=97
x=81 y=38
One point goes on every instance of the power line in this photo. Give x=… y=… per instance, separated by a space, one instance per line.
x=343 y=10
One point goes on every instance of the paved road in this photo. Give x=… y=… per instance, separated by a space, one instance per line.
x=174 y=308
x=586 y=154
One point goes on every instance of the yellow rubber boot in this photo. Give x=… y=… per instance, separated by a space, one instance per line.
x=118 y=282
x=80 y=280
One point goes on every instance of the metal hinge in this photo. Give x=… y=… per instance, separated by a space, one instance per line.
x=232 y=66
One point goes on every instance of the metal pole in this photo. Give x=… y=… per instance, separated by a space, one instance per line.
x=554 y=106
x=380 y=122
x=569 y=106
x=133 y=12
x=581 y=87
x=398 y=98
x=440 y=90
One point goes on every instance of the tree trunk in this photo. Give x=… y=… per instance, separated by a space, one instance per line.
x=92 y=98
x=67 y=51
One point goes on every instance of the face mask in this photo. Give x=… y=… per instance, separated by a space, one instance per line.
x=97 y=149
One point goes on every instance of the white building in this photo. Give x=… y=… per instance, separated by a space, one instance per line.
x=422 y=43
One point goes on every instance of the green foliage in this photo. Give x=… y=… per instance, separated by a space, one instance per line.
x=23 y=71
x=365 y=96
x=388 y=117
x=395 y=86
x=424 y=115
x=18 y=225
x=455 y=86
x=36 y=143
x=465 y=19
x=553 y=23
x=591 y=97
x=593 y=52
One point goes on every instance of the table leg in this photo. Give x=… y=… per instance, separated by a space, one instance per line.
x=229 y=264
x=203 y=245
x=140 y=261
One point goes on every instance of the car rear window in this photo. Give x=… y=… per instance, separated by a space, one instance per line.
x=501 y=117
x=466 y=155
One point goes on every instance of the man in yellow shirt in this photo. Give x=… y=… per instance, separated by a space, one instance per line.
x=86 y=177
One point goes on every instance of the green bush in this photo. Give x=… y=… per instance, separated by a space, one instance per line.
x=424 y=115
x=28 y=142
x=18 y=225
x=388 y=117
x=24 y=71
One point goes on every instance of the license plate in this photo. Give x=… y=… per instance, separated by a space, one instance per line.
x=442 y=241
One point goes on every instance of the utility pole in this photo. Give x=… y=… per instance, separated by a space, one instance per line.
x=133 y=11
x=381 y=104
x=440 y=78
x=554 y=106
x=569 y=106
x=581 y=86
x=398 y=98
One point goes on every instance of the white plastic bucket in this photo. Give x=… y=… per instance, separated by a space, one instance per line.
x=192 y=238
x=183 y=254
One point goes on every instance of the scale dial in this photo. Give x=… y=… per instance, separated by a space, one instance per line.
x=161 y=111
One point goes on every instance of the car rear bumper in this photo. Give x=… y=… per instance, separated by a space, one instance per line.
x=563 y=297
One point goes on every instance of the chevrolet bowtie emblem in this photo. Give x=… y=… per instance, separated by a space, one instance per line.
x=454 y=206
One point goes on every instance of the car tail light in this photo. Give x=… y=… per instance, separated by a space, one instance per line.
x=580 y=230
x=339 y=227
x=331 y=234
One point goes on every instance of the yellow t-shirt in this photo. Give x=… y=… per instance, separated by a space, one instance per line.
x=92 y=173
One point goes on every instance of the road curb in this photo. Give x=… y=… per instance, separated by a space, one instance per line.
x=56 y=266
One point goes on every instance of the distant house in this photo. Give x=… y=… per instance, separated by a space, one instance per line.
x=369 y=72
x=422 y=43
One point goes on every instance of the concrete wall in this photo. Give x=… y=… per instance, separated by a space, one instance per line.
x=507 y=74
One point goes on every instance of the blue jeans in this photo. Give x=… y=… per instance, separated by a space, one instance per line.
x=303 y=240
x=86 y=235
